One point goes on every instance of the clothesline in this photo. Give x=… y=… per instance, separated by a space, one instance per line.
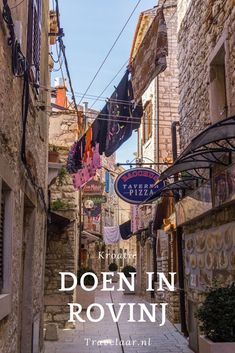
x=106 y=135
x=132 y=120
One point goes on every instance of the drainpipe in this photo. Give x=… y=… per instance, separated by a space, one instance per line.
x=179 y=240
x=174 y=139
x=157 y=149
x=156 y=159
x=179 y=235
x=80 y=230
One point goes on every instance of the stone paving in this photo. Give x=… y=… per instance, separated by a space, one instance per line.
x=144 y=337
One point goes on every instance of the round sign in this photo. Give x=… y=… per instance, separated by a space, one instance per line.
x=89 y=204
x=93 y=212
x=137 y=185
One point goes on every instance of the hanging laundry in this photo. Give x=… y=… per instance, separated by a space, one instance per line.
x=96 y=160
x=125 y=230
x=136 y=109
x=88 y=146
x=84 y=175
x=99 y=129
x=120 y=120
x=150 y=59
x=111 y=235
x=75 y=157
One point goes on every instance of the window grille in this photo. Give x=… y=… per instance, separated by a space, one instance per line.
x=34 y=38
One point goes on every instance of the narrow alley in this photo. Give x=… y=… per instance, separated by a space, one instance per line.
x=117 y=167
x=106 y=335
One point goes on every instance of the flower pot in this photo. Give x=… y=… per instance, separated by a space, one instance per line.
x=207 y=346
x=126 y=289
x=53 y=157
x=85 y=298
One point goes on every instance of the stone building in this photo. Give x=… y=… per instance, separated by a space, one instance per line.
x=205 y=216
x=62 y=251
x=160 y=102
x=23 y=173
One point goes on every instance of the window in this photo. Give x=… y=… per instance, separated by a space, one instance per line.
x=217 y=84
x=5 y=248
x=34 y=38
x=147 y=121
x=4 y=223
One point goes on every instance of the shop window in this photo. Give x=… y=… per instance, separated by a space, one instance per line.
x=34 y=38
x=217 y=86
x=147 y=121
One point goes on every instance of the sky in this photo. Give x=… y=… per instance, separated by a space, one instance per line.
x=91 y=27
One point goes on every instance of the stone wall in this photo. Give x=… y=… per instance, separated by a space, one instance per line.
x=61 y=256
x=28 y=236
x=166 y=262
x=167 y=86
x=201 y=27
x=62 y=253
x=163 y=93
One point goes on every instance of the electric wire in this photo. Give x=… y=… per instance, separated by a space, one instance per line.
x=110 y=50
x=63 y=51
x=108 y=85
x=120 y=119
x=115 y=75
x=14 y=7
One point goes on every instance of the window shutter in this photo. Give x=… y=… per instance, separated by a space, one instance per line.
x=34 y=38
x=1 y=240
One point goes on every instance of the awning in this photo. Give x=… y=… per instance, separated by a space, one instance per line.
x=58 y=220
x=202 y=159
x=90 y=236
x=222 y=130
x=213 y=146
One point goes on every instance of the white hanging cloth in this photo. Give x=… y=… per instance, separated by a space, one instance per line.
x=112 y=235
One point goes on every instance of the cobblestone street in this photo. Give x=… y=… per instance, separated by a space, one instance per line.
x=164 y=339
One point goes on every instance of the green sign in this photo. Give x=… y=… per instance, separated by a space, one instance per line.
x=95 y=198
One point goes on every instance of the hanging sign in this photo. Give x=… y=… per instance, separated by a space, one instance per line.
x=95 y=198
x=94 y=211
x=137 y=185
x=93 y=187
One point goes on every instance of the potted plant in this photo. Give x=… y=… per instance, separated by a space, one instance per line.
x=113 y=268
x=85 y=298
x=217 y=316
x=53 y=154
x=127 y=270
x=62 y=175
x=58 y=204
